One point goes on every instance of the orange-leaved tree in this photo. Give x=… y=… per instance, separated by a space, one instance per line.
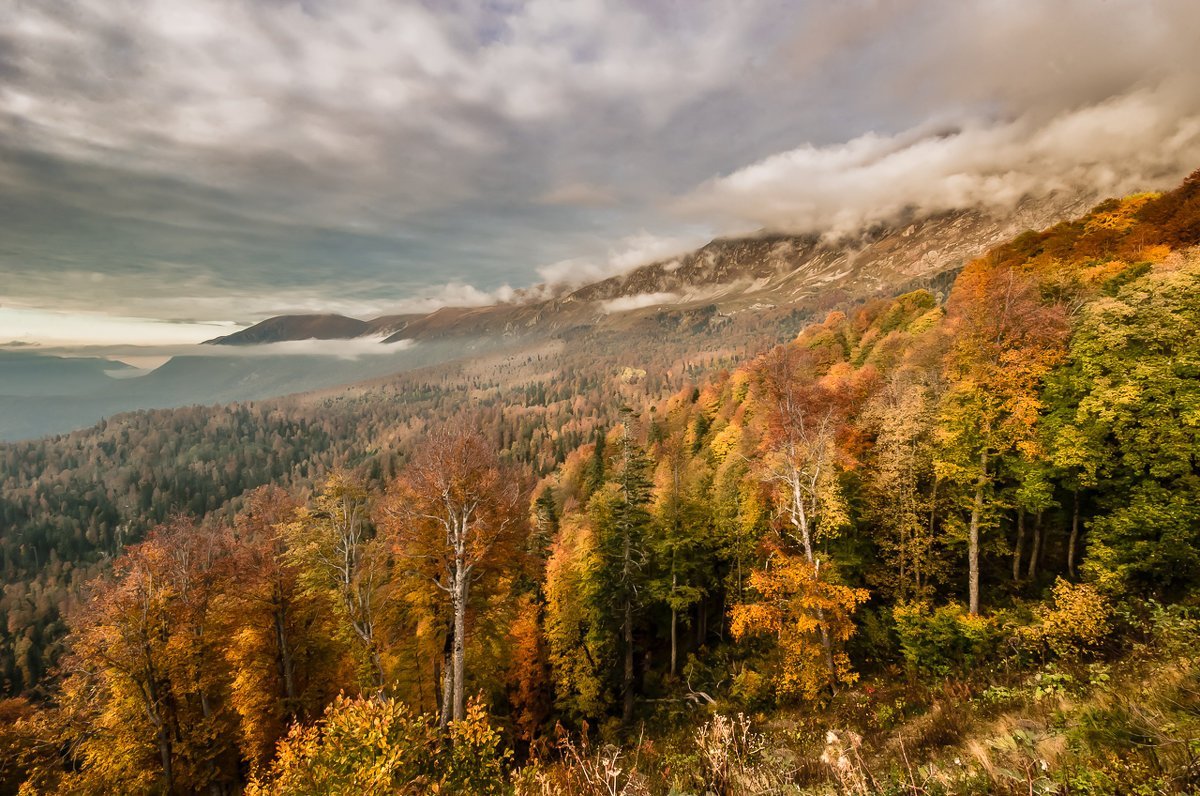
x=456 y=515
x=148 y=684
x=280 y=645
x=799 y=457
x=1006 y=339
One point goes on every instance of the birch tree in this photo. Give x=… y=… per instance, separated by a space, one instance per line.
x=798 y=458
x=456 y=515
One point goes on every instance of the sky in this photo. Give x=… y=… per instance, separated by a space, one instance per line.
x=171 y=167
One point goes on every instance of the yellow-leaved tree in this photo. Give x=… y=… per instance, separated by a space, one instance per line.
x=810 y=618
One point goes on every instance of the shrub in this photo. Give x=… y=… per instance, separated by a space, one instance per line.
x=379 y=745
x=1077 y=622
x=360 y=745
x=945 y=640
x=751 y=690
x=475 y=763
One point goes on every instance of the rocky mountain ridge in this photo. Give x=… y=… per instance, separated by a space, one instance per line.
x=732 y=275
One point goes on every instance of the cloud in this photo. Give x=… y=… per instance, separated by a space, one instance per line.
x=353 y=92
x=31 y=326
x=578 y=193
x=226 y=159
x=349 y=350
x=455 y=294
x=338 y=349
x=254 y=147
x=641 y=300
x=1147 y=138
x=76 y=320
x=628 y=254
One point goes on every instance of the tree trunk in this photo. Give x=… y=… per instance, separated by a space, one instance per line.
x=1073 y=544
x=973 y=541
x=674 y=616
x=674 y=640
x=825 y=641
x=800 y=520
x=1036 y=552
x=1020 y=543
x=922 y=578
x=164 y=753
x=627 y=675
x=163 y=731
x=377 y=666
x=287 y=667
x=461 y=586
x=447 y=679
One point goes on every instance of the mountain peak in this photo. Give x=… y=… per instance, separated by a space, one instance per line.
x=327 y=326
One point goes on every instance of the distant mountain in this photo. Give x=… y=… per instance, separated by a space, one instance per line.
x=295 y=327
x=729 y=275
x=29 y=373
x=290 y=328
x=389 y=324
x=41 y=394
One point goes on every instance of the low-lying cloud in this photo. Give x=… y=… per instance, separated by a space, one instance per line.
x=350 y=350
x=1144 y=139
x=640 y=301
x=631 y=252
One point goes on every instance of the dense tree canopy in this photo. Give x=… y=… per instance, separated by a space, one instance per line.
x=908 y=485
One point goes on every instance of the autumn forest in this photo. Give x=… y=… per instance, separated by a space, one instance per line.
x=939 y=541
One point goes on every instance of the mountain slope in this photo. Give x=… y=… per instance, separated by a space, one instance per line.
x=732 y=275
x=26 y=374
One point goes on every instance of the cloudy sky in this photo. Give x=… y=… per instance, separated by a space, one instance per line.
x=220 y=161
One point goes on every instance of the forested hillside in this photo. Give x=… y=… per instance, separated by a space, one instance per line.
x=69 y=504
x=934 y=543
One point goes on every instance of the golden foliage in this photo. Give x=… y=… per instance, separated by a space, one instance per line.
x=379 y=745
x=529 y=670
x=1077 y=623
x=1121 y=216
x=726 y=441
x=810 y=618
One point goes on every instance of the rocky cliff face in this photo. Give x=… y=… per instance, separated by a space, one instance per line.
x=783 y=268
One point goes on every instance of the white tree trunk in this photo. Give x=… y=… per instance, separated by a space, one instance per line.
x=461 y=585
x=447 y=681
